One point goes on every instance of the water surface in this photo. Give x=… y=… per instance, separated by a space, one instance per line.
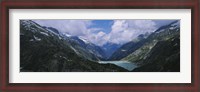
x=125 y=64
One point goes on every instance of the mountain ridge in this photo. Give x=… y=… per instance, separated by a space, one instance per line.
x=43 y=51
x=46 y=49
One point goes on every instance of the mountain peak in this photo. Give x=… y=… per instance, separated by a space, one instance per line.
x=173 y=24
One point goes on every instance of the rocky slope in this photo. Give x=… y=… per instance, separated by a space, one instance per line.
x=160 y=51
x=42 y=50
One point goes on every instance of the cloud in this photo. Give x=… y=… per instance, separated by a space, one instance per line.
x=77 y=28
x=122 y=31
x=126 y=30
x=73 y=27
x=98 y=38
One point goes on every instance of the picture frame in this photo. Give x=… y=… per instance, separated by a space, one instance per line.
x=103 y=4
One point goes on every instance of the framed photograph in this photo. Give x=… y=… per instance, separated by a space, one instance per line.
x=140 y=46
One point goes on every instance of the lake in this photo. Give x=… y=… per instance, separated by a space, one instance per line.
x=125 y=64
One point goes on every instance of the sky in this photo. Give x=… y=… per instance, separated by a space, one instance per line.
x=101 y=32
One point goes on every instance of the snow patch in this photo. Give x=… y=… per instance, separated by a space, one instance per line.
x=36 y=38
x=52 y=31
x=64 y=57
x=59 y=37
x=176 y=24
x=123 y=50
x=67 y=35
x=160 y=31
x=74 y=50
x=31 y=40
x=171 y=28
x=175 y=44
x=83 y=39
x=44 y=33
x=27 y=25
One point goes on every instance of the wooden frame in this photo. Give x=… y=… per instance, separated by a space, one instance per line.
x=144 y=4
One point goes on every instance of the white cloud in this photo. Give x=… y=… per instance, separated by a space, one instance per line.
x=121 y=32
x=97 y=38
x=126 y=30
x=77 y=28
x=73 y=27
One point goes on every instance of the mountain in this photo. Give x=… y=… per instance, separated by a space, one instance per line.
x=160 y=50
x=44 y=49
x=163 y=57
x=129 y=47
x=142 y=39
x=86 y=49
x=51 y=29
x=92 y=48
x=171 y=25
x=109 y=48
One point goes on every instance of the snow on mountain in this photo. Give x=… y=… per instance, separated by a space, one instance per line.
x=83 y=39
x=176 y=24
x=42 y=53
x=36 y=38
x=163 y=33
x=28 y=25
x=44 y=33
x=68 y=35
x=79 y=45
x=52 y=31
x=171 y=26
x=97 y=51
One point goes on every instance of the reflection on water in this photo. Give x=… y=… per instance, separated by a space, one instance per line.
x=125 y=64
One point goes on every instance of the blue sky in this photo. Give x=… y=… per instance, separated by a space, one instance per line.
x=105 y=24
x=100 y=32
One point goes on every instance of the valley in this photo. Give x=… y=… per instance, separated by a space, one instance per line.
x=45 y=49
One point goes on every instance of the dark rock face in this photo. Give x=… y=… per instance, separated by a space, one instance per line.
x=164 y=57
x=160 y=51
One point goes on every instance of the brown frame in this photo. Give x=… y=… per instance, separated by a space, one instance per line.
x=103 y=4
